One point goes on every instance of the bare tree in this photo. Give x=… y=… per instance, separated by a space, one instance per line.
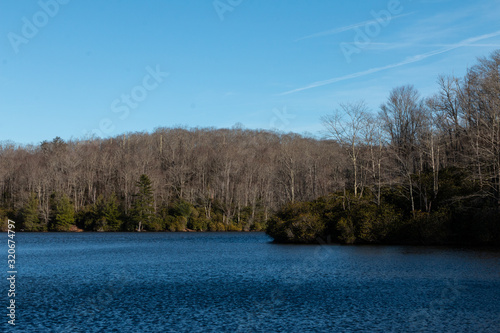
x=347 y=126
x=402 y=118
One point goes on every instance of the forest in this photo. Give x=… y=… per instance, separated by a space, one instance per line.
x=173 y=179
x=423 y=170
x=420 y=170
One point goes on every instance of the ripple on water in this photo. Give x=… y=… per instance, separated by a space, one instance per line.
x=218 y=282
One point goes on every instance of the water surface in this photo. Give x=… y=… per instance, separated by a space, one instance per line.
x=241 y=282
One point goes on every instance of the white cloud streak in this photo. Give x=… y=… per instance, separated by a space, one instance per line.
x=389 y=46
x=347 y=28
x=409 y=60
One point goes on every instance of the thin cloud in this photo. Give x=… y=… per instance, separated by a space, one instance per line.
x=347 y=27
x=409 y=60
x=390 y=46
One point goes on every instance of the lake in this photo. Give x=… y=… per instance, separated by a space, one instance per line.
x=241 y=282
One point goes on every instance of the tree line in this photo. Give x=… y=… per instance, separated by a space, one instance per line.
x=421 y=169
x=199 y=179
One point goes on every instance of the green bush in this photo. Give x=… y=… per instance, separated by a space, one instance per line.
x=64 y=214
x=3 y=220
x=30 y=215
x=296 y=223
x=347 y=230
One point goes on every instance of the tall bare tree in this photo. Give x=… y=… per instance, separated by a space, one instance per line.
x=348 y=127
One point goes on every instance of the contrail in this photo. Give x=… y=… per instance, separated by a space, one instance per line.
x=347 y=27
x=408 y=60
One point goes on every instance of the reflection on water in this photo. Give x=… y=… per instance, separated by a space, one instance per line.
x=240 y=282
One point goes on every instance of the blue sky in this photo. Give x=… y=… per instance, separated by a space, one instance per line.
x=72 y=67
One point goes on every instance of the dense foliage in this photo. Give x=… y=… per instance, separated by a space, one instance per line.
x=459 y=217
x=425 y=171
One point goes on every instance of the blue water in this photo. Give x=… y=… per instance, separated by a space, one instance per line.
x=241 y=282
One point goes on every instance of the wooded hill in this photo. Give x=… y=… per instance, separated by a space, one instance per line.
x=422 y=170
x=201 y=179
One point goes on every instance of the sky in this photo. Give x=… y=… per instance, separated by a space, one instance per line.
x=73 y=68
